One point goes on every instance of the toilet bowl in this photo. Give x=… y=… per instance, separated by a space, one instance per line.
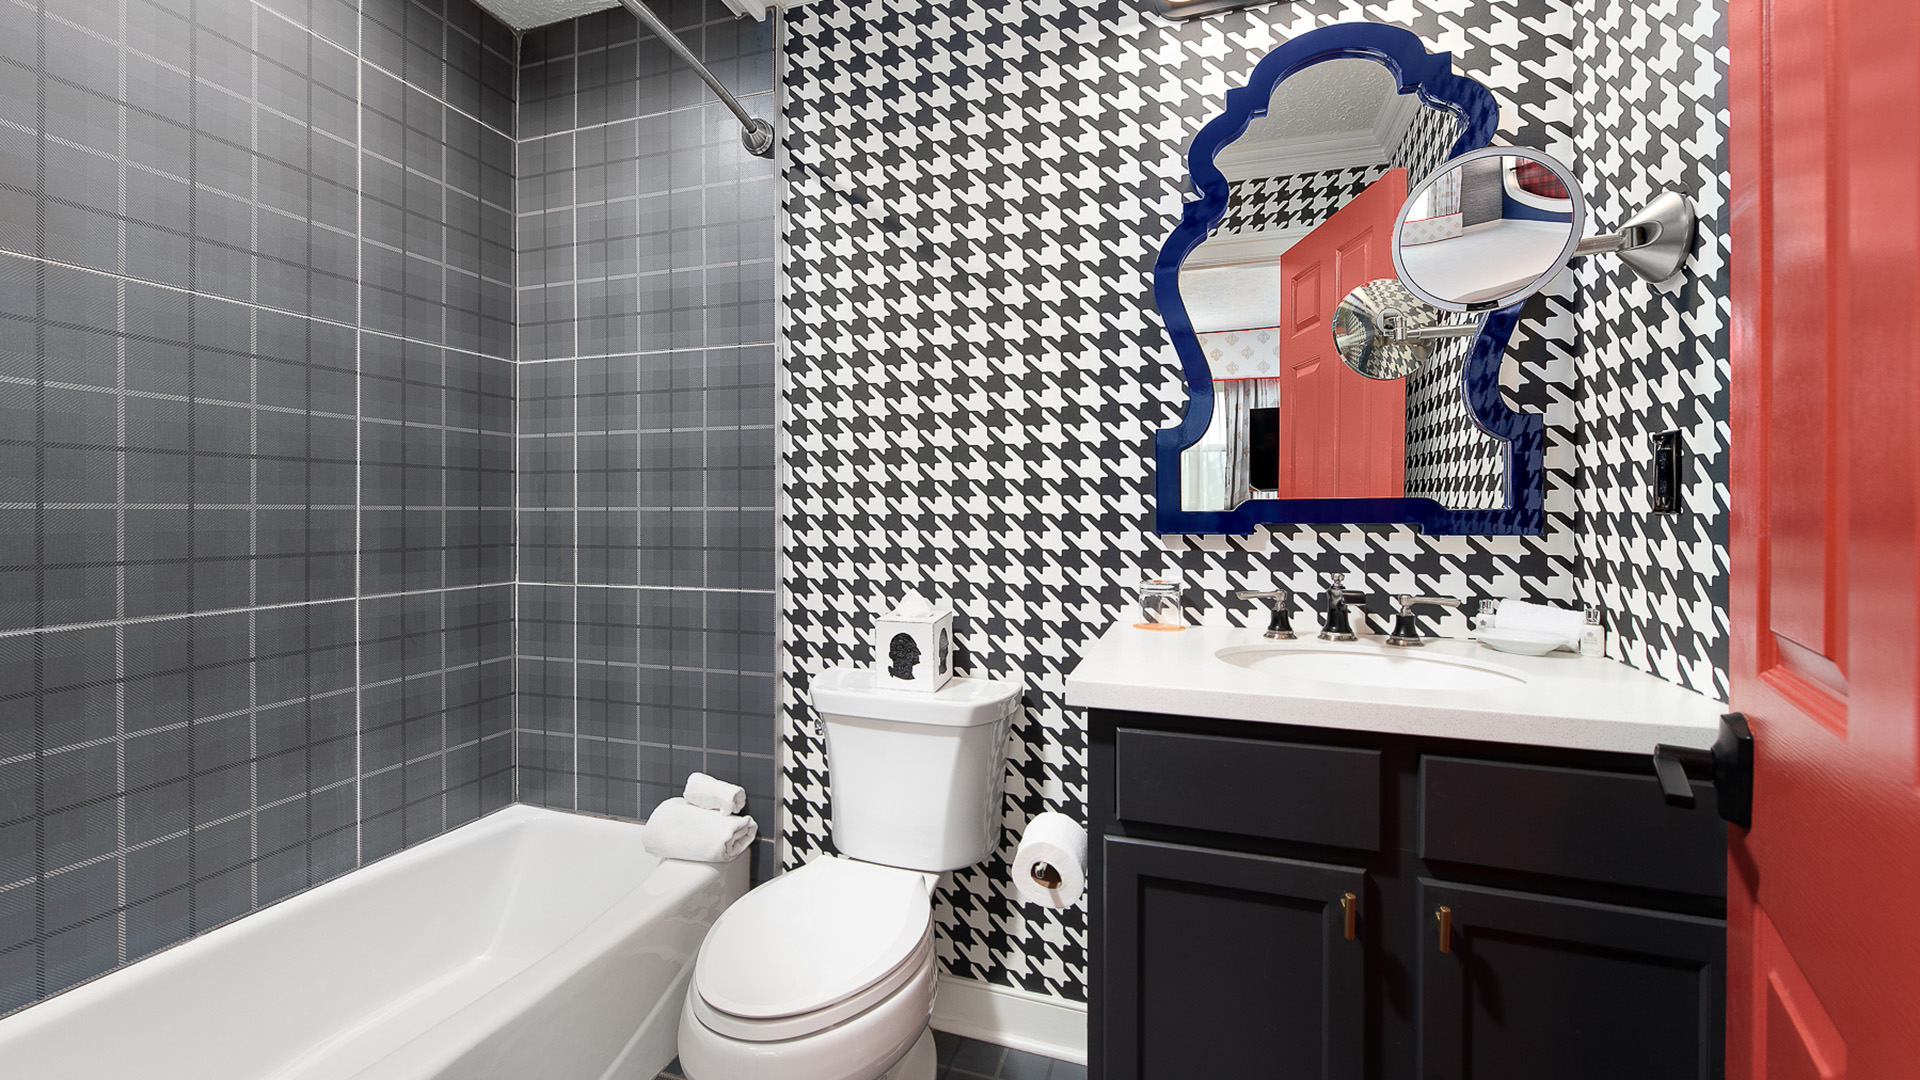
x=827 y=972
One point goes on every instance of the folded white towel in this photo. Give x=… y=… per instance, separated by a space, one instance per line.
x=1543 y=618
x=709 y=793
x=678 y=829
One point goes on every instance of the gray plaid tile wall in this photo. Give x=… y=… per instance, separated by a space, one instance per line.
x=975 y=363
x=256 y=454
x=646 y=395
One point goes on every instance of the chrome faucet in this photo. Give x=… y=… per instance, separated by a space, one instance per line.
x=1335 y=623
x=1280 y=623
x=1406 y=629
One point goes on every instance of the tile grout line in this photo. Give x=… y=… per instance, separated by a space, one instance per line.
x=120 y=527
x=359 y=449
x=573 y=427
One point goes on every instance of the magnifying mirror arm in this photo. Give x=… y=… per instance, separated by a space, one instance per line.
x=1437 y=333
x=1393 y=323
x=1607 y=244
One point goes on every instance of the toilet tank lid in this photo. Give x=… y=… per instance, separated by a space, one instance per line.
x=849 y=691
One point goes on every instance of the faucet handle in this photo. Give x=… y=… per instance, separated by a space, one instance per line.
x=1406 y=631
x=1335 y=580
x=1280 y=624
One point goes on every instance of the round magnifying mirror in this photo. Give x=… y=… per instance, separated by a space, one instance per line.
x=1370 y=328
x=1488 y=229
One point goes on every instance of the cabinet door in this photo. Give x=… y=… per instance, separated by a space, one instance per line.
x=1228 y=965
x=1536 y=986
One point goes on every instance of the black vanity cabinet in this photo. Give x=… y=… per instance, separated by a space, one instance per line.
x=1239 y=961
x=1270 y=901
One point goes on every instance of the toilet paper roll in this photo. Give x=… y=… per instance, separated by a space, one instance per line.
x=1050 y=865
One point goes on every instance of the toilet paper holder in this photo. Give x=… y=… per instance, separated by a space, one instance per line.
x=1045 y=876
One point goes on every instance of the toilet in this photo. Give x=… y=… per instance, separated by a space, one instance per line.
x=827 y=972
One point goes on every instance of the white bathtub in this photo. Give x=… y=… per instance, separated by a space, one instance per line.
x=529 y=945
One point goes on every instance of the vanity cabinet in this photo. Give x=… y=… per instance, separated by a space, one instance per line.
x=1267 y=901
x=1241 y=960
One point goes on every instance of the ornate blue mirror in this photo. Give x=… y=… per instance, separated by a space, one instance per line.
x=1303 y=181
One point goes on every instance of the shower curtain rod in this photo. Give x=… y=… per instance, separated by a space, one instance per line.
x=755 y=134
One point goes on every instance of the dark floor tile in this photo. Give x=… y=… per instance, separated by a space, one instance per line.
x=970 y=1059
x=978 y=1058
x=1021 y=1065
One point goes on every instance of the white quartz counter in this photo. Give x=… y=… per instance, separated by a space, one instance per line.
x=1566 y=700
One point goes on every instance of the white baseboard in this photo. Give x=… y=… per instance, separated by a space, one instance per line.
x=1008 y=1017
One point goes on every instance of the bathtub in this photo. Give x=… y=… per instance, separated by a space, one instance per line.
x=529 y=945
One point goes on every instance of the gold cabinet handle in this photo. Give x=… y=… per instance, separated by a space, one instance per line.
x=1349 y=913
x=1445 y=918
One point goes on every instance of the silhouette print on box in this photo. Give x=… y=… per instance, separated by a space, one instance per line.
x=904 y=652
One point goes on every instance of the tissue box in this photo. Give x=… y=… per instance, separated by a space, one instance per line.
x=913 y=651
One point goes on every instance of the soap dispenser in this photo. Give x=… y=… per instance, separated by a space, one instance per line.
x=1593 y=636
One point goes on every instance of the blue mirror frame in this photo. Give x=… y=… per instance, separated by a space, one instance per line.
x=1416 y=71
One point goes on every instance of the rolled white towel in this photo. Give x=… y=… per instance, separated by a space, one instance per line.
x=709 y=793
x=678 y=829
x=1543 y=618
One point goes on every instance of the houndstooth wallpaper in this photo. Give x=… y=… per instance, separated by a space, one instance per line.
x=1654 y=357
x=976 y=192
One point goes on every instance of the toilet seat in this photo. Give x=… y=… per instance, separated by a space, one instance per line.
x=804 y=1024
x=812 y=949
x=863 y=1048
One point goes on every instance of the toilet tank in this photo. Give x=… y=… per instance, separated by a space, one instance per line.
x=915 y=777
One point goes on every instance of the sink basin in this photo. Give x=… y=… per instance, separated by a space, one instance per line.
x=1362 y=666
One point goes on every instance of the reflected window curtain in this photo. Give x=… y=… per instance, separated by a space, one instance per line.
x=1236 y=399
x=1446 y=194
x=1482 y=191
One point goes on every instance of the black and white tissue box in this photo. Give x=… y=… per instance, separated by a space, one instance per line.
x=913 y=646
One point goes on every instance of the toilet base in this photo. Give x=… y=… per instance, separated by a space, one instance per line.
x=920 y=1063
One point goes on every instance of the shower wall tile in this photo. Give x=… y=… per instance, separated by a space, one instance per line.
x=645 y=286
x=257 y=443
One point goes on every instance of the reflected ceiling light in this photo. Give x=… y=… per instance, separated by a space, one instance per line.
x=1193 y=9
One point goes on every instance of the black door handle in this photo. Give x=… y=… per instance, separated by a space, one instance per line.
x=1669 y=764
x=1731 y=764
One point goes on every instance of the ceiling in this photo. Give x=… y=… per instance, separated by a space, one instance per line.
x=527 y=14
x=1339 y=97
x=1339 y=113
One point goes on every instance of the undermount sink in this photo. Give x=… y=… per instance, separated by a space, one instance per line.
x=1359 y=665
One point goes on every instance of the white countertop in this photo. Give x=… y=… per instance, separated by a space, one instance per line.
x=1567 y=700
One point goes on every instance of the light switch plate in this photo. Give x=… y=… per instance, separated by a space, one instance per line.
x=1669 y=461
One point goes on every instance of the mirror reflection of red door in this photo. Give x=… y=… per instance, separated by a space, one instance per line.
x=1342 y=435
x=1824 y=889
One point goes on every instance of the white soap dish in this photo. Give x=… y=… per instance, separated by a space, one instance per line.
x=1521 y=642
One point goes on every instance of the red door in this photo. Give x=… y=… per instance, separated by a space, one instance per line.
x=1824 y=907
x=1342 y=435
